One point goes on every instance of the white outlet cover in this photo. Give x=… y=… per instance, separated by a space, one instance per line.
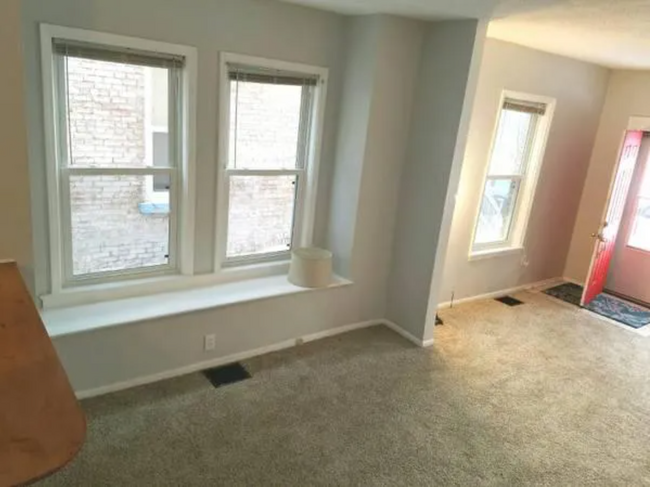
x=209 y=342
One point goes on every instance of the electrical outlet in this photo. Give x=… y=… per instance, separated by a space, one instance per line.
x=209 y=342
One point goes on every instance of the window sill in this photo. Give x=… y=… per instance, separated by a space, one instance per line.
x=147 y=286
x=492 y=253
x=78 y=319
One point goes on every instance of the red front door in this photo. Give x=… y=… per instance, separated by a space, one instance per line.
x=606 y=238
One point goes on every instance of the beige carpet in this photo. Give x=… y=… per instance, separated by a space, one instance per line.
x=541 y=394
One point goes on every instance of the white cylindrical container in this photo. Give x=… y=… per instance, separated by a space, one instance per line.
x=311 y=267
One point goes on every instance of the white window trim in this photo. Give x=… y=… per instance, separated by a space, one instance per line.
x=185 y=190
x=516 y=241
x=304 y=218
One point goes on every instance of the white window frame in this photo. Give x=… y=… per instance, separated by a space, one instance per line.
x=60 y=232
x=516 y=238
x=308 y=176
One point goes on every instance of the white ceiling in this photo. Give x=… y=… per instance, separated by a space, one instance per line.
x=612 y=33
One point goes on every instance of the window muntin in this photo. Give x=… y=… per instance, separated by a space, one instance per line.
x=270 y=130
x=509 y=172
x=104 y=168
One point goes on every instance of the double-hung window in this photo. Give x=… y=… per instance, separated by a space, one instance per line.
x=513 y=167
x=272 y=113
x=116 y=123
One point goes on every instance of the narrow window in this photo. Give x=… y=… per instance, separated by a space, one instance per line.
x=511 y=176
x=118 y=118
x=269 y=159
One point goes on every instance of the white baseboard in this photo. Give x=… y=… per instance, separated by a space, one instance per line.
x=526 y=287
x=236 y=357
x=412 y=338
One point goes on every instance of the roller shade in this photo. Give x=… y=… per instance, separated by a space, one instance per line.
x=524 y=106
x=237 y=72
x=114 y=54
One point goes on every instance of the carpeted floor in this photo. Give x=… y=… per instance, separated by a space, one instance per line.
x=539 y=394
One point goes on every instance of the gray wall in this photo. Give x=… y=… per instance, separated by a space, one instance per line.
x=381 y=72
x=15 y=222
x=364 y=177
x=444 y=94
x=579 y=89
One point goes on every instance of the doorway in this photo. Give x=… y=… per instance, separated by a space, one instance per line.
x=617 y=285
x=629 y=273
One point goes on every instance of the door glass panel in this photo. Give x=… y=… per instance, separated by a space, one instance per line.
x=640 y=236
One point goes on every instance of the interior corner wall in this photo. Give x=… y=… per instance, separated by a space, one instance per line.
x=628 y=95
x=443 y=100
x=357 y=94
x=381 y=72
x=15 y=216
x=579 y=89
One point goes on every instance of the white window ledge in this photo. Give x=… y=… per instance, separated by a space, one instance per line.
x=77 y=319
x=491 y=253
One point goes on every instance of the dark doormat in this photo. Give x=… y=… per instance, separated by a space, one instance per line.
x=613 y=308
x=226 y=374
x=567 y=292
x=509 y=300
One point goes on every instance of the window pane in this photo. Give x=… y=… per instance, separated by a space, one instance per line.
x=510 y=147
x=110 y=231
x=160 y=153
x=264 y=125
x=640 y=236
x=260 y=216
x=111 y=108
x=497 y=208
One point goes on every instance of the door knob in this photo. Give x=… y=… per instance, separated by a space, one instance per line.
x=598 y=236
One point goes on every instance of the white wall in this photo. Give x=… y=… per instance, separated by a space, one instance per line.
x=444 y=95
x=364 y=176
x=15 y=229
x=628 y=95
x=579 y=89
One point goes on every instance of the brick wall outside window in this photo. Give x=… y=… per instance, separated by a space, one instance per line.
x=107 y=128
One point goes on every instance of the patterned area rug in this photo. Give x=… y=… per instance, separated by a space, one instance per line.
x=605 y=305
